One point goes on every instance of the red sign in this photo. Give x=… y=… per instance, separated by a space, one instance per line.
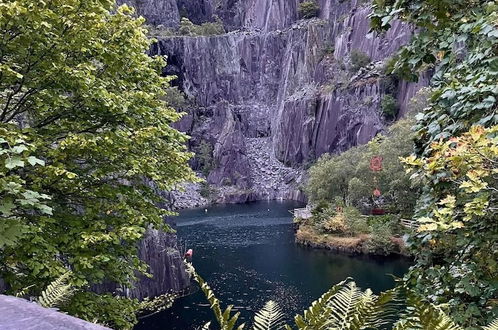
x=376 y=163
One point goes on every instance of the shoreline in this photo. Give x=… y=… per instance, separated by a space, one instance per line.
x=307 y=236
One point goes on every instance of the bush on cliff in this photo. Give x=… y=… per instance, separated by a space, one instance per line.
x=309 y=9
x=359 y=59
x=187 y=28
x=389 y=106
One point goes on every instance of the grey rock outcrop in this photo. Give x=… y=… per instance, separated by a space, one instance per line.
x=159 y=250
x=17 y=313
x=157 y=12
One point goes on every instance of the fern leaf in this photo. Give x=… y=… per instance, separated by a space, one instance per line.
x=343 y=305
x=270 y=317
x=373 y=311
x=317 y=316
x=421 y=314
x=56 y=292
x=225 y=319
x=492 y=326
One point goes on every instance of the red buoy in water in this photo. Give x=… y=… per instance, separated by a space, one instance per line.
x=189 y=253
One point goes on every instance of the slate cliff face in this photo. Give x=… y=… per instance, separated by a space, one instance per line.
x=276 y=92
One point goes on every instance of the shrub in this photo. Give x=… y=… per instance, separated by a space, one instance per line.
x=380 y=241
x=186 y=27
x=336 y=224
x=355 y=221
x=327 y=49
x=389 y=106
x=309 y=9
x=211 y=28
x=206 y=190
x=359 y=60
x=116 y=312
x=205 y=156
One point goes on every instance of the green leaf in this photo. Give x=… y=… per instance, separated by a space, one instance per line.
x=11 y=163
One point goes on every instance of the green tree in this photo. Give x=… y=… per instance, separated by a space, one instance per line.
x=349 y=176
x=388 y=106
x=309 y=9
x=456 y=263
x=84 y=132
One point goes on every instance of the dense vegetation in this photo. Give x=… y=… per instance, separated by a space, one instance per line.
x=348 y=176
x=85 y=144
x=455 y=157
x=456 y=144
x=309 y=9
x=343 y=190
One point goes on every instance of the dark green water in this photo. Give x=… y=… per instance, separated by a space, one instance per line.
x=247 y=254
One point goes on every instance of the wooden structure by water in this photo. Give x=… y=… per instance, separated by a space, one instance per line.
x=411 y=224
x=303 y=213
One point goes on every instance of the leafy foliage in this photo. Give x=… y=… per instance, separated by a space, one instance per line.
x=204 y=155
x=309 y=9
x=467 y=165
x=388 y=106
x=456 y=249
x=86 y=144
x=359 y=59
x=57 y=292
x=113 y=311
x=348 y=175
x=187 y=28
x=269 y=317
x=380 y=241
x=18 y=198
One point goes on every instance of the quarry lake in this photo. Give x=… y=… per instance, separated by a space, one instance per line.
x=247 y=254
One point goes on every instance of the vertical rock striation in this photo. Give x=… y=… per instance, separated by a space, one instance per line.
x=276 y=92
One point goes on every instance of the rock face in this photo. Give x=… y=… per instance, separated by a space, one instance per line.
x=276 y=92
x=16 y=313
x=157 y=12
x=160 y=252
x=270 y=96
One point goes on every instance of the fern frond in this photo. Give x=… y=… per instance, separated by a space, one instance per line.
x=270 y=317
x=225 y=319
x=344 y=303
x=24 y=292
x=421 y=314
x=56 y=292
x=492 y=326
x=375 y=311
x=317 y=316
